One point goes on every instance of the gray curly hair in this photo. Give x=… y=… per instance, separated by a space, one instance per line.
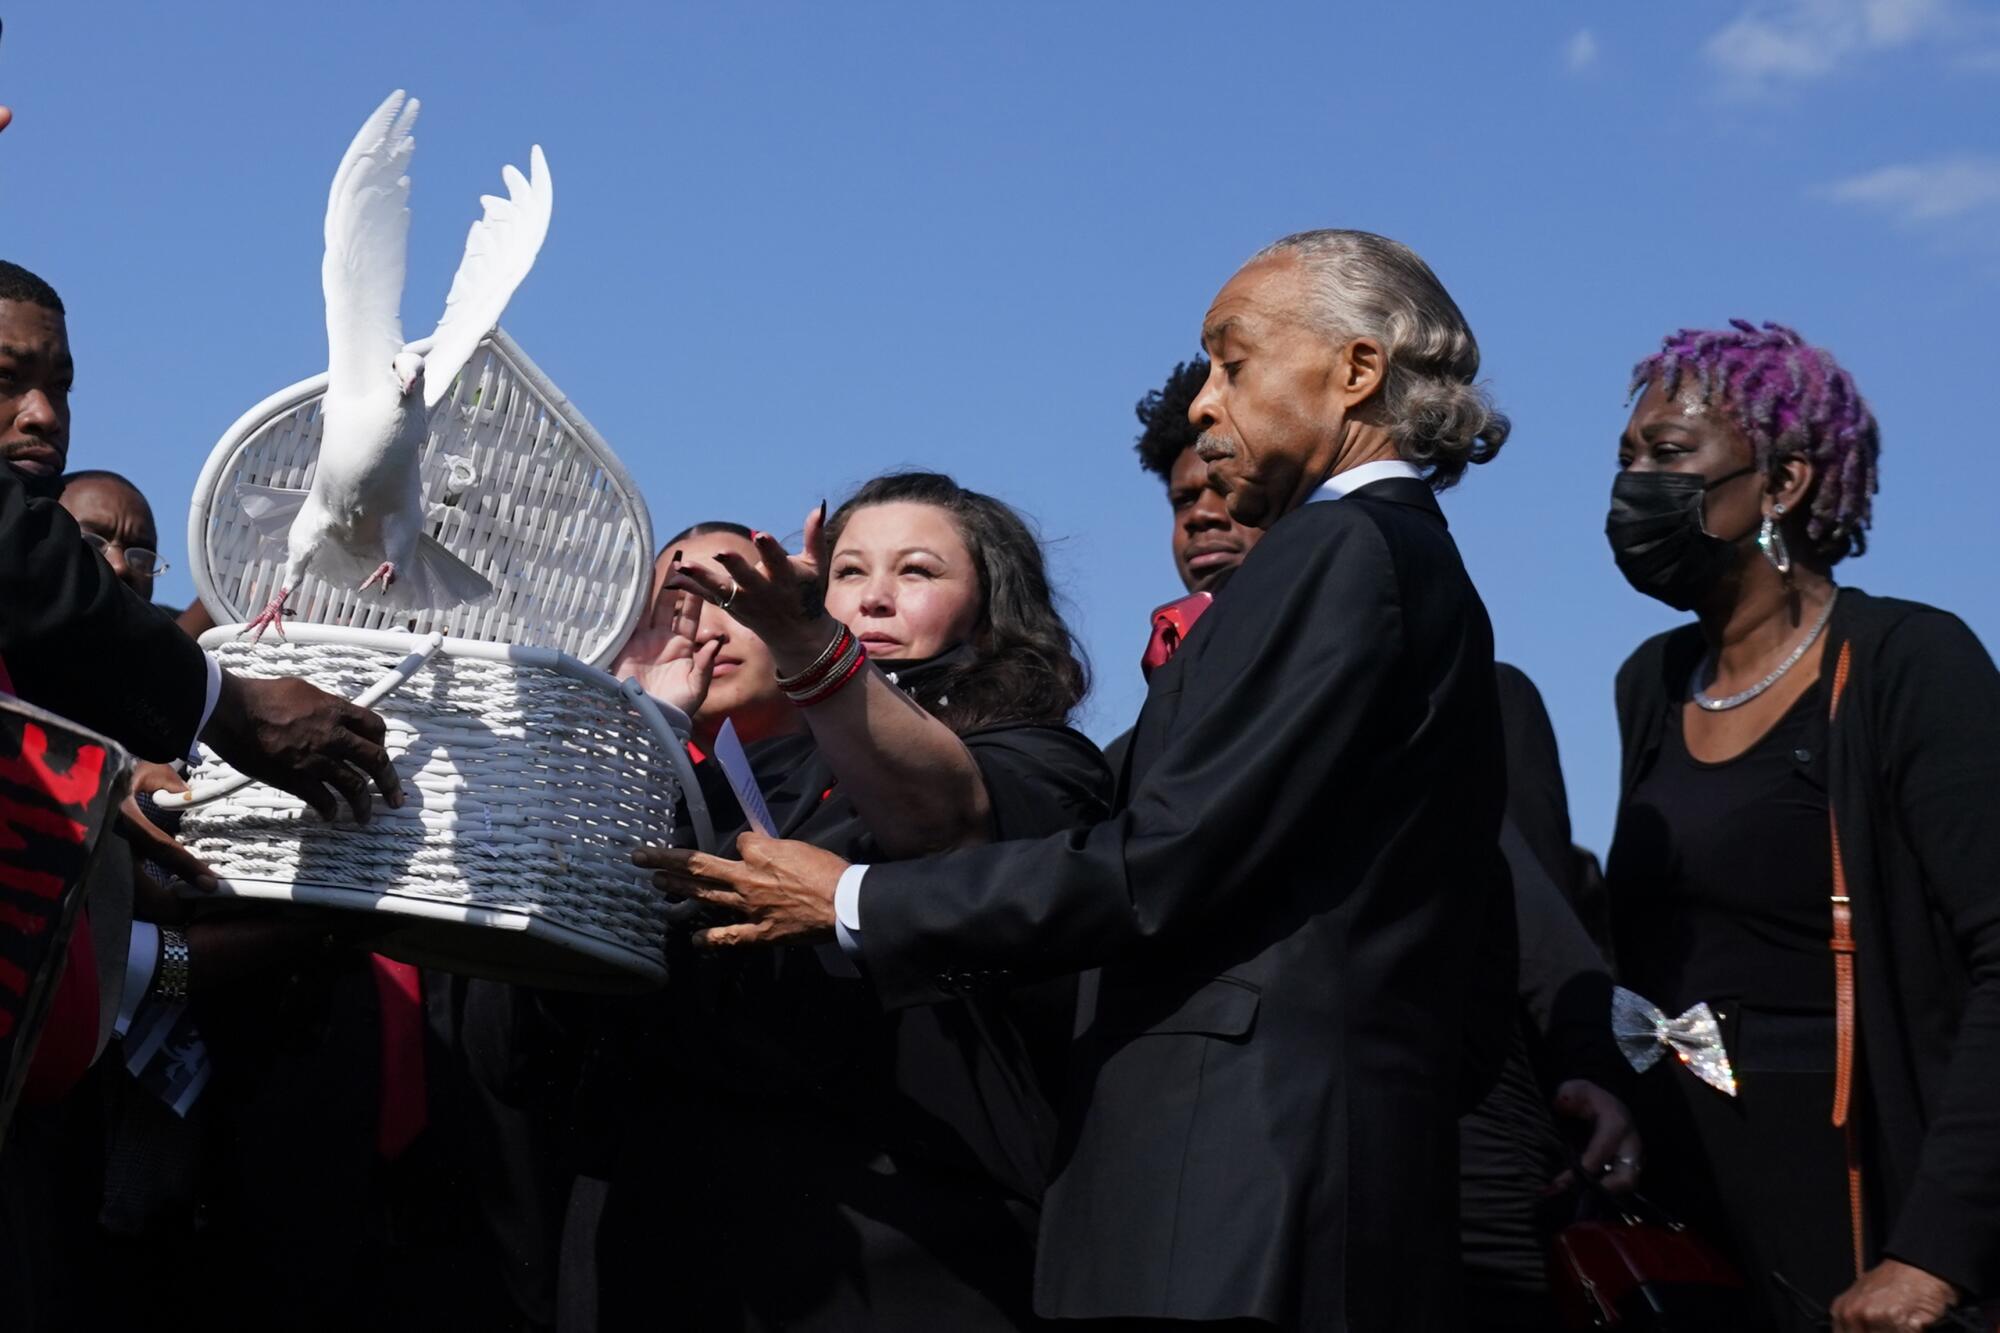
x=1368 y=286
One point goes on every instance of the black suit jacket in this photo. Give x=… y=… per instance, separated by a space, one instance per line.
x=80 y=643
x=1286 y=912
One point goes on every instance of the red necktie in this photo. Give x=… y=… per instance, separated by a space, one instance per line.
x=1171 y=624
x=401 y=1107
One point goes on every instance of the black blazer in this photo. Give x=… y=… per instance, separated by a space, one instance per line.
x=1913 y=762
x=1287 y=911
x=80 y=643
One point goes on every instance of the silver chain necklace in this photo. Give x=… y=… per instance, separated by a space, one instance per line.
x=1706 y=667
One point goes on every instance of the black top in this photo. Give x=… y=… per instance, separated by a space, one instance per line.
x=1290 y=911
x=70 y=633
x=1721 y=872
x=925 y=1078
x=1913 y=762
x=807 y=1159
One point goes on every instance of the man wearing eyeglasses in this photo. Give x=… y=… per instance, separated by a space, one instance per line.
x=118 y=523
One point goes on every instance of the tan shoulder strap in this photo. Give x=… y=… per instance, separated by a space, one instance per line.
x=1842 y=945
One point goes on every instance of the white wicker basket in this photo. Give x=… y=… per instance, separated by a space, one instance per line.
x=519 y=485
x=528 y=777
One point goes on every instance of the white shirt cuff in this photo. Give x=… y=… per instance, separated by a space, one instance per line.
x=847 y=911
x=140 y=959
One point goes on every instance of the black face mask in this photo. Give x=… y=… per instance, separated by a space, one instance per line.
x=1658 y=538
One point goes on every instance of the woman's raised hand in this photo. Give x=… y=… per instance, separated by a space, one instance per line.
x=661 y=654
x=778 y=598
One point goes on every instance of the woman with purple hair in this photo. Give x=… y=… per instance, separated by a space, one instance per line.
x=1804 y=763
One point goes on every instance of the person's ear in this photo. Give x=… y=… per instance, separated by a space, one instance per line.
x=1360 y=368
x=1791 y=481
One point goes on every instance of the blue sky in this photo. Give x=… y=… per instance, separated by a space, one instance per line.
x=797 y=244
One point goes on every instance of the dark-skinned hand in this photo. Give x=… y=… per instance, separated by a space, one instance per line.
x=149 y=841
x=782 y=890
x=1613 y=1157
x=298 y=738
x=1892 y=1297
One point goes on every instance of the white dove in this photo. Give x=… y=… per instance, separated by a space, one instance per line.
x=364 y=517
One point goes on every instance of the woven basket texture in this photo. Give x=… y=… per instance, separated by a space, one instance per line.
x=525 y=791
x=519 y=486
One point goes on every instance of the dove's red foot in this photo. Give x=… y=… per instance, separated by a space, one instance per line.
x=385 y=572
x=271 y=617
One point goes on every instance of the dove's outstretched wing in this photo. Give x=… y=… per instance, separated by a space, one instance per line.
x=367 y=246
x=499 y=251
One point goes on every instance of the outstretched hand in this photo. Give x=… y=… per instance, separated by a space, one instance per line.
x=661 y=654
x=298 y=738
x=777 y=598
x=782 y=889
x=148 y=839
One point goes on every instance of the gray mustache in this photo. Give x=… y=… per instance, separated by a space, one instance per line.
x=1209 y=446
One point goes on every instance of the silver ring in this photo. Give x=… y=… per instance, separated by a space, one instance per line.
x=728 y=601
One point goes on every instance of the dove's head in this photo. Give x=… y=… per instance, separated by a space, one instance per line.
x=409 y=367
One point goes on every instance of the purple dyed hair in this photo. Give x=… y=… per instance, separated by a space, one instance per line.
x=1788 y=398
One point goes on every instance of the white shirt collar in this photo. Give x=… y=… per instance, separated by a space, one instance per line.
x=1354 y=478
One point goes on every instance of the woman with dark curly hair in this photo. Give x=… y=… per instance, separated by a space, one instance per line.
x=921 y=649
x=1804 y=763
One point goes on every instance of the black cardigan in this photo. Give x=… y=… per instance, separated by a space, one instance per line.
x=1913 y=774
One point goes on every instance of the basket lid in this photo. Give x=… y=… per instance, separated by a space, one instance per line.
x=519 y=485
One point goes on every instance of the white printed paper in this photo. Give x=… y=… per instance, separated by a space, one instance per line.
x=743 y=780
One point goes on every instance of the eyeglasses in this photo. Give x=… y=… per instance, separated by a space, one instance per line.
x=137 y=558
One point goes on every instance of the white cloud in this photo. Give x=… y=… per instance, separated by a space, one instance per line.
x=1580 y=52
x=1917 y=193
x=1778 y=41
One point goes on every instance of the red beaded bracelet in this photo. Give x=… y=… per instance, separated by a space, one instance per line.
x=822 y=666
x=846 y=667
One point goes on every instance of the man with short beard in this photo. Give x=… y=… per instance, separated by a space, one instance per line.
x=1296 y=915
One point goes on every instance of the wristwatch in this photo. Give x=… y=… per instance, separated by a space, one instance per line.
x=170 y=979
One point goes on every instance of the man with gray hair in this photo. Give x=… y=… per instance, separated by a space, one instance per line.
x=1296 y=919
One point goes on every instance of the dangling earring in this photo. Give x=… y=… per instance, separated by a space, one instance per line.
x=1772 y=542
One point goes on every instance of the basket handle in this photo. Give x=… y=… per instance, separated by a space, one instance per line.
x=390 y=681
x=677 y=755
